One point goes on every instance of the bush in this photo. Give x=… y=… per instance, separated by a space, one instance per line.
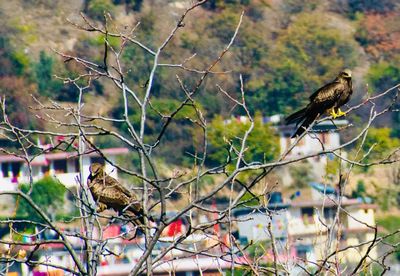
x=97 y=8
x=262 y=144
x=391 y=223
x=48 y=194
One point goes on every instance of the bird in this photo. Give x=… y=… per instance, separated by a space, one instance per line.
x=110 y=194
x=328 y=98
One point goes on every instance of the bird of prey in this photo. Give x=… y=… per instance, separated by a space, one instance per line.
x=109 y=193
x=328 y=98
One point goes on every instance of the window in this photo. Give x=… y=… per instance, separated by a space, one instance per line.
x=76 y=165
x=307 y=211
x=60 y=166
x=308 y=215
x=329 y=214
x=15 y=168
x=45 y=169
x=4 y=169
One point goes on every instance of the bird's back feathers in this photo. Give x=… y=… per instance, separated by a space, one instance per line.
x=108 y=191
x=332 y=95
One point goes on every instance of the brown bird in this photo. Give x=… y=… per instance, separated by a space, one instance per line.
x=328 y=98
x=109 y=193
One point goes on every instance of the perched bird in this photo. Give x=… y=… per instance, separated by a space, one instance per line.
x=328 y=98
x=109 y=193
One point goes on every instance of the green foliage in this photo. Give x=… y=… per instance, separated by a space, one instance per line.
x=47 y=193
x=97 y=8
x=307 y=54
x=262 y=144
x=249 y=200
x=372 y=6
x=332 y=167
x=221 y=4
x=20 y=62
x=43 y=69
x=137 y=63
x=135 y=5
x=99 y=41
x=360 y=190
x=391 y=223
x=382 y=143
x=239 y=271
x=298 y=6
x=383 y=75
x=301 y=174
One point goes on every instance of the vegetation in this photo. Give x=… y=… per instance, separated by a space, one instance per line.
x=301 y=174
x=379 y=143
x=47 y=193
x=189 y=142
x=282 y=61
x=391 y=223
x=263 y=143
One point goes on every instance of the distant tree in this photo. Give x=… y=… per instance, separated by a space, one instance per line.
x=17 y=92
x=298 y=6
x=47 y=193
x=48 y=86
x=307 y=54
x=360 y=189
x=383 y=75
x=43 y=72
x=373 y=6
x=301 y=174
x=164 y=116
x=130 y=5
x=263 y=143
x=379 y=35
x=391 y=223
x=380 y=143
x=96 y=8
x=219 y=4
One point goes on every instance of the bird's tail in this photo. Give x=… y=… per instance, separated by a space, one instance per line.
x=305 y=124
x=296 y=117
x=139 y=215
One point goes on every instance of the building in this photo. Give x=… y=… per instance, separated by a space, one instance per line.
x=302 y=227
x=322 y=137
x=62 y=165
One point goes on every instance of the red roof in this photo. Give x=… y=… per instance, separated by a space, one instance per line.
x=62 y=155
x=10 y=158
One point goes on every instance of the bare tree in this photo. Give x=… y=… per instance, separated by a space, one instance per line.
x=157 y=188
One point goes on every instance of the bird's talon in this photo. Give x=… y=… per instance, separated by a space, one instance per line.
x=340 y=113
x=333 y=114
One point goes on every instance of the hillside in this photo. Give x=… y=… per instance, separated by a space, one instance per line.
x=284 y=50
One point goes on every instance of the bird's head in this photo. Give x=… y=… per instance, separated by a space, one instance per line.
x=96 y=169
x=346 y=73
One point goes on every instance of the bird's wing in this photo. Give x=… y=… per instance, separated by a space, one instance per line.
x=112 y=182
x=328 y=93
x=111 y=195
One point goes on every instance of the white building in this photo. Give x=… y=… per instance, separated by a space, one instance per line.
x=62 y=165
x=301 y=227
x=322 y=137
